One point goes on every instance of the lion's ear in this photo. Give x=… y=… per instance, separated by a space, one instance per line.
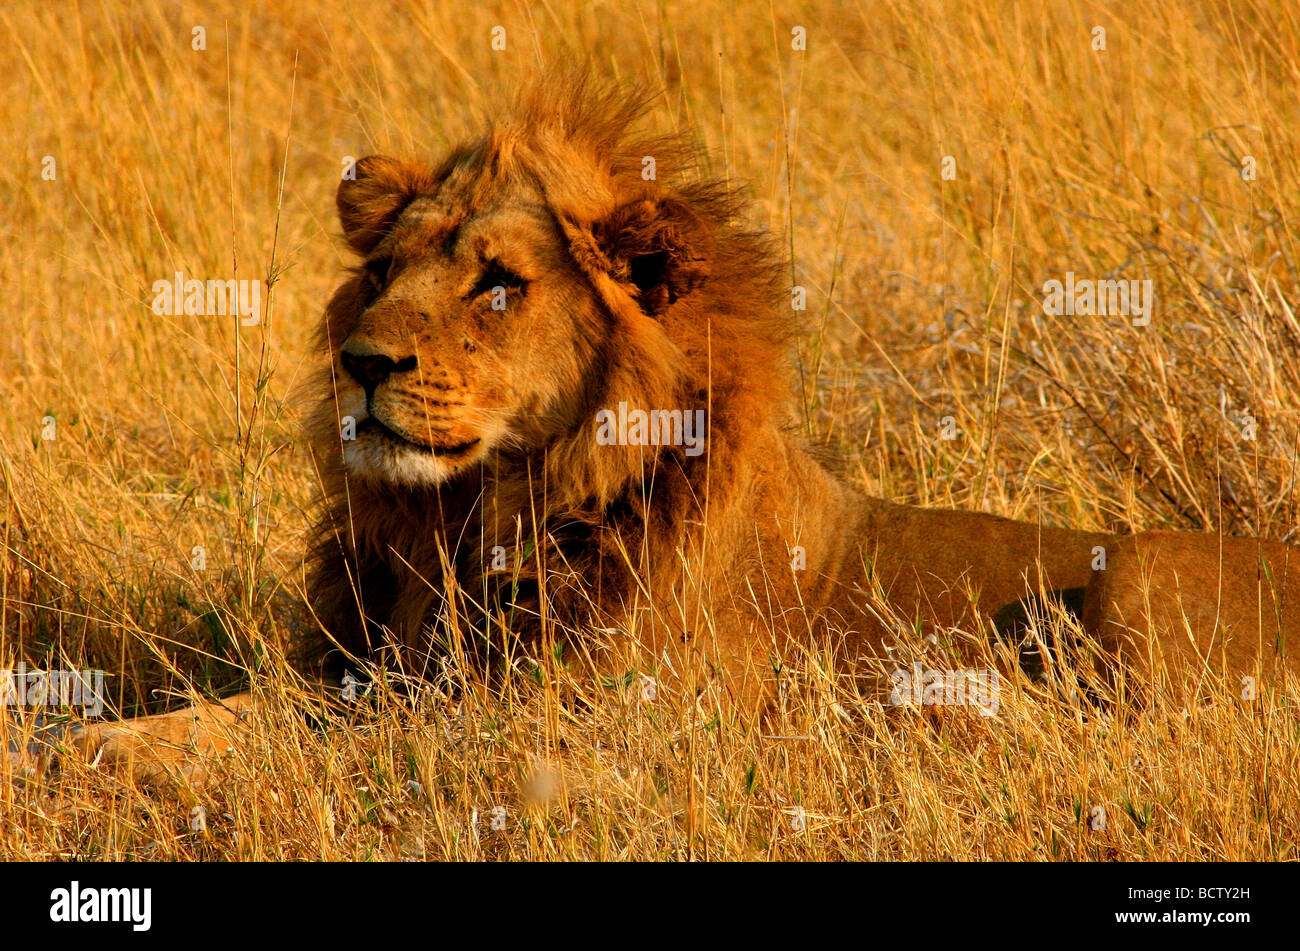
x=370 y=203
x=658 y=245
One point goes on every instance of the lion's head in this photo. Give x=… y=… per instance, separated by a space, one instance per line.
x=534 y=277
x=473 y=333
x=560 y=265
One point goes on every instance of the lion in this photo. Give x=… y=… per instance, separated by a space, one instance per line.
x=559 y=401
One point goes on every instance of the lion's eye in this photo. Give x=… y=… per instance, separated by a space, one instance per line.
x=495 y=275
x=377 y=270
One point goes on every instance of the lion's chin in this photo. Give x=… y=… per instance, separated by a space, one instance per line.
x=378 y=454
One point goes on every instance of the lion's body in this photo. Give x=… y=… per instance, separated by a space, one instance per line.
x=474 y=506
x=1208 y=605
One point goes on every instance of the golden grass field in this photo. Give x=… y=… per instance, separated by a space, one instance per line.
x=923 y=302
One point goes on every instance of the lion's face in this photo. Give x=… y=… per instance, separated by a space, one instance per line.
x=503 y=299
x=469 y=340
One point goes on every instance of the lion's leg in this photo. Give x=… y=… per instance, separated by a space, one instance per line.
x=181 y=743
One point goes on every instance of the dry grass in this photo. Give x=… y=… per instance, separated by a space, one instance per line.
x=175 y=432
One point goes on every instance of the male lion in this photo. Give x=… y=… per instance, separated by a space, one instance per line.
x=510 y=460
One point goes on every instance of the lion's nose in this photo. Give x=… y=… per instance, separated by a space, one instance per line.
x=371 y=369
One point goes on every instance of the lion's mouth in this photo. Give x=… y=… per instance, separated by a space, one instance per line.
x=455 y=449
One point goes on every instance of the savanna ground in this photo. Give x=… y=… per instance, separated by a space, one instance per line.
x=174 y=433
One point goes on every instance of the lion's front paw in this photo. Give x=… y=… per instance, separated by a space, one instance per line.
x=177 y=745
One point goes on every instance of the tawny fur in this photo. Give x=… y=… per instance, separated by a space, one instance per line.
x=652 y=293
x=691 y=556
